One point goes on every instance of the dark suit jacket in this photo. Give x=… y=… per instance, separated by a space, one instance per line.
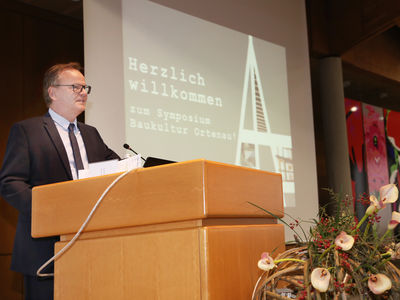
x=35 y=155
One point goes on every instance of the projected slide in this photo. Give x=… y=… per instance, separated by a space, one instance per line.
x=194 y=89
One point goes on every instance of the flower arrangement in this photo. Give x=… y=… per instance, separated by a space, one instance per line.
x=341 y=257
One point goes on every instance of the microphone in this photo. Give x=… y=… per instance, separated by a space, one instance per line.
x=126 y=146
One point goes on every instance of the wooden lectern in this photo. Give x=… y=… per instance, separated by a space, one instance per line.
x=178 y=231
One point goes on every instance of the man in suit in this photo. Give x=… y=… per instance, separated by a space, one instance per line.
x=44 y=150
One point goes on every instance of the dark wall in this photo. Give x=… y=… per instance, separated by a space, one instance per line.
x=32 y=40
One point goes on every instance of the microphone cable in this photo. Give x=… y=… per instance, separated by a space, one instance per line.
x=72 y=241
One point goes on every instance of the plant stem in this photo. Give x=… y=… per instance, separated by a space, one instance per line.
x=367 y=230
x=288 y=259
x=384 y=236
x=326 y=251
x=380 y=242
x=382 y=262
x=361 y=222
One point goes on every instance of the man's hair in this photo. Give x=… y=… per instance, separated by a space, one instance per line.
x=51 y=76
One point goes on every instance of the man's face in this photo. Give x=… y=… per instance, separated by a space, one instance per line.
x=66 y=102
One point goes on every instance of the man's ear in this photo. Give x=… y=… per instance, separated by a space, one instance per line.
x=51 y=91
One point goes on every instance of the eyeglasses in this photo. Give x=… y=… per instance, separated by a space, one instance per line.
x=77 y=88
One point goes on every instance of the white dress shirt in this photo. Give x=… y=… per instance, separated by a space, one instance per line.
x=62 y=128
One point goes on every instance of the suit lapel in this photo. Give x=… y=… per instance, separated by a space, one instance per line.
x=51 y=129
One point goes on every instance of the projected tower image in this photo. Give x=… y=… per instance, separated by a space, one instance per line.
x=256 y=141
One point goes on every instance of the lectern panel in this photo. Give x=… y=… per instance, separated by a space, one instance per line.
x=206 y=263
x=232 y=254
x=159 y=265
x=191 y=190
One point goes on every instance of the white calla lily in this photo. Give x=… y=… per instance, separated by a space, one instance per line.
x=266 y=262
x=388 y=193
x=344 y=241
x=394 y=221
x=379 y=283
x=320 y=278
x=371 y=209
x=375 y=205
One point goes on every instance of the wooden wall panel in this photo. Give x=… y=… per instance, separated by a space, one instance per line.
x=11 y=104
x=32 y=40
x=46 y=44
x=11 y=283
x=11 y=76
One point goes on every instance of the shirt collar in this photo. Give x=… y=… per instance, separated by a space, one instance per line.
x=63 y=122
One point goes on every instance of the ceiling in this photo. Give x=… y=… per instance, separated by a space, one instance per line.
x=371 y=70
x=69 y=8
x=364 y=33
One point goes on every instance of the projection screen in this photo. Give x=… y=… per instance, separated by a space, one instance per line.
x=225 y=81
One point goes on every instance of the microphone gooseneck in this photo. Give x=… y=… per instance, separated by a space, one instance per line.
x=126 y=146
